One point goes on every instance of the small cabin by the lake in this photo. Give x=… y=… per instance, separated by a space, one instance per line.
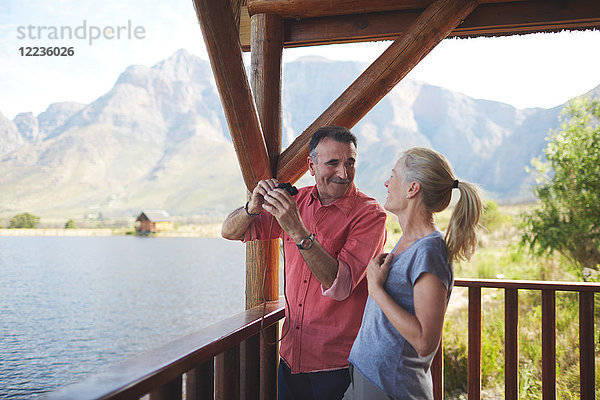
x=153 y=221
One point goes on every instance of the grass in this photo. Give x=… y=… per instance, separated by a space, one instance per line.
x=500 y=257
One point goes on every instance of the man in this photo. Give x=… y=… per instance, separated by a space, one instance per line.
x=330 y=232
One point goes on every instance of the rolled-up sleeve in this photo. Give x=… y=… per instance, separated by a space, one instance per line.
x=365 y=240
x=342 y=285
x=260 y=227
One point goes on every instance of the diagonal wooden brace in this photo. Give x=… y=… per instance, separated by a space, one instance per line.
x=225 y=53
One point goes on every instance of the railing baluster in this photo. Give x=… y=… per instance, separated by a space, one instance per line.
x=227 y=374
x=200 y=382
x=269 y=361
x=474 y=356
x=250 y=368
x=548 y=345
x=170 y=391
x=437 y=372
x=511 y=335
x=587 y=374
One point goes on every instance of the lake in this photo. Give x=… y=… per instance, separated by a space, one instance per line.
x=71 y=306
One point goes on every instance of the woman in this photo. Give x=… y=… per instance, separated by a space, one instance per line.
x=409 y=288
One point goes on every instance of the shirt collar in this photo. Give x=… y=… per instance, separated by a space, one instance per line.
x=344 y=203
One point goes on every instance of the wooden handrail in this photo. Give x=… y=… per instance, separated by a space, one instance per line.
x=150 y=371
x=529 y=285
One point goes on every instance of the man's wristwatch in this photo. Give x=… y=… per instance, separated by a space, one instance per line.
x=306 y=243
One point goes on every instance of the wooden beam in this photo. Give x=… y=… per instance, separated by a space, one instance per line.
x=498 y=19
x=225 y=53
x=318 y=8
x=298 y=9
x=433 y=25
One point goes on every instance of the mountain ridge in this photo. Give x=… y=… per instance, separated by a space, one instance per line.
x=158 y=139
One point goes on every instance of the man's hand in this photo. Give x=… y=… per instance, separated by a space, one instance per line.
x=255 y=206
x=280 y=204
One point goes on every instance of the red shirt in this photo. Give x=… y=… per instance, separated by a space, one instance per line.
x=322 y=325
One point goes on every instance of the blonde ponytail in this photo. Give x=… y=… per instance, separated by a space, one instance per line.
x=461 y=234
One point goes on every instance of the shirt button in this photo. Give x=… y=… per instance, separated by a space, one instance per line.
x=297 y=327
x=299 y=305
x=305 y=281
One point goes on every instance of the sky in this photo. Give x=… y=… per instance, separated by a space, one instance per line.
x=538 y=70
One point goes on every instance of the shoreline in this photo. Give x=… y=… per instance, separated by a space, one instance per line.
x=60 y=232
x=209 y=230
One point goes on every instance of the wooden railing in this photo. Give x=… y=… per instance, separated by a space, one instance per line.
x=511 y=303
x=218 y=362
x=203 y=365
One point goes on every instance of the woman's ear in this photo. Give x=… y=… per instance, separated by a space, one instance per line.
x=413 y=188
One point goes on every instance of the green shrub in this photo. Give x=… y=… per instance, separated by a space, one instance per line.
x=24 y=221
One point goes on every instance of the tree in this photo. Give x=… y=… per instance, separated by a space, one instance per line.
x=70 y=224
x=24 y=220
x=567 y=219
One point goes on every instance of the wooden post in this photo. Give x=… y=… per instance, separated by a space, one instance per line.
x=171 y=390
x=474 y=351
x=250 y=368
x=227 y=374
x=511 y=347
x=587 y=388
x=262 y=257
x=437 y=372
x=433 y=25
x=200 y=381
x=548 y=344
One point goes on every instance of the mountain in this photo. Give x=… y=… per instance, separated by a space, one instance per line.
x=159 y=140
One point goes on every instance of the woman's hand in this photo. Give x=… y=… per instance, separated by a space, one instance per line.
x=377 y=272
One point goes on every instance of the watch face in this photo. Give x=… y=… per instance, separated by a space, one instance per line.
x=306 y=243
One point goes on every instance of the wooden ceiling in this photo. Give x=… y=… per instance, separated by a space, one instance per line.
x=318 y=22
